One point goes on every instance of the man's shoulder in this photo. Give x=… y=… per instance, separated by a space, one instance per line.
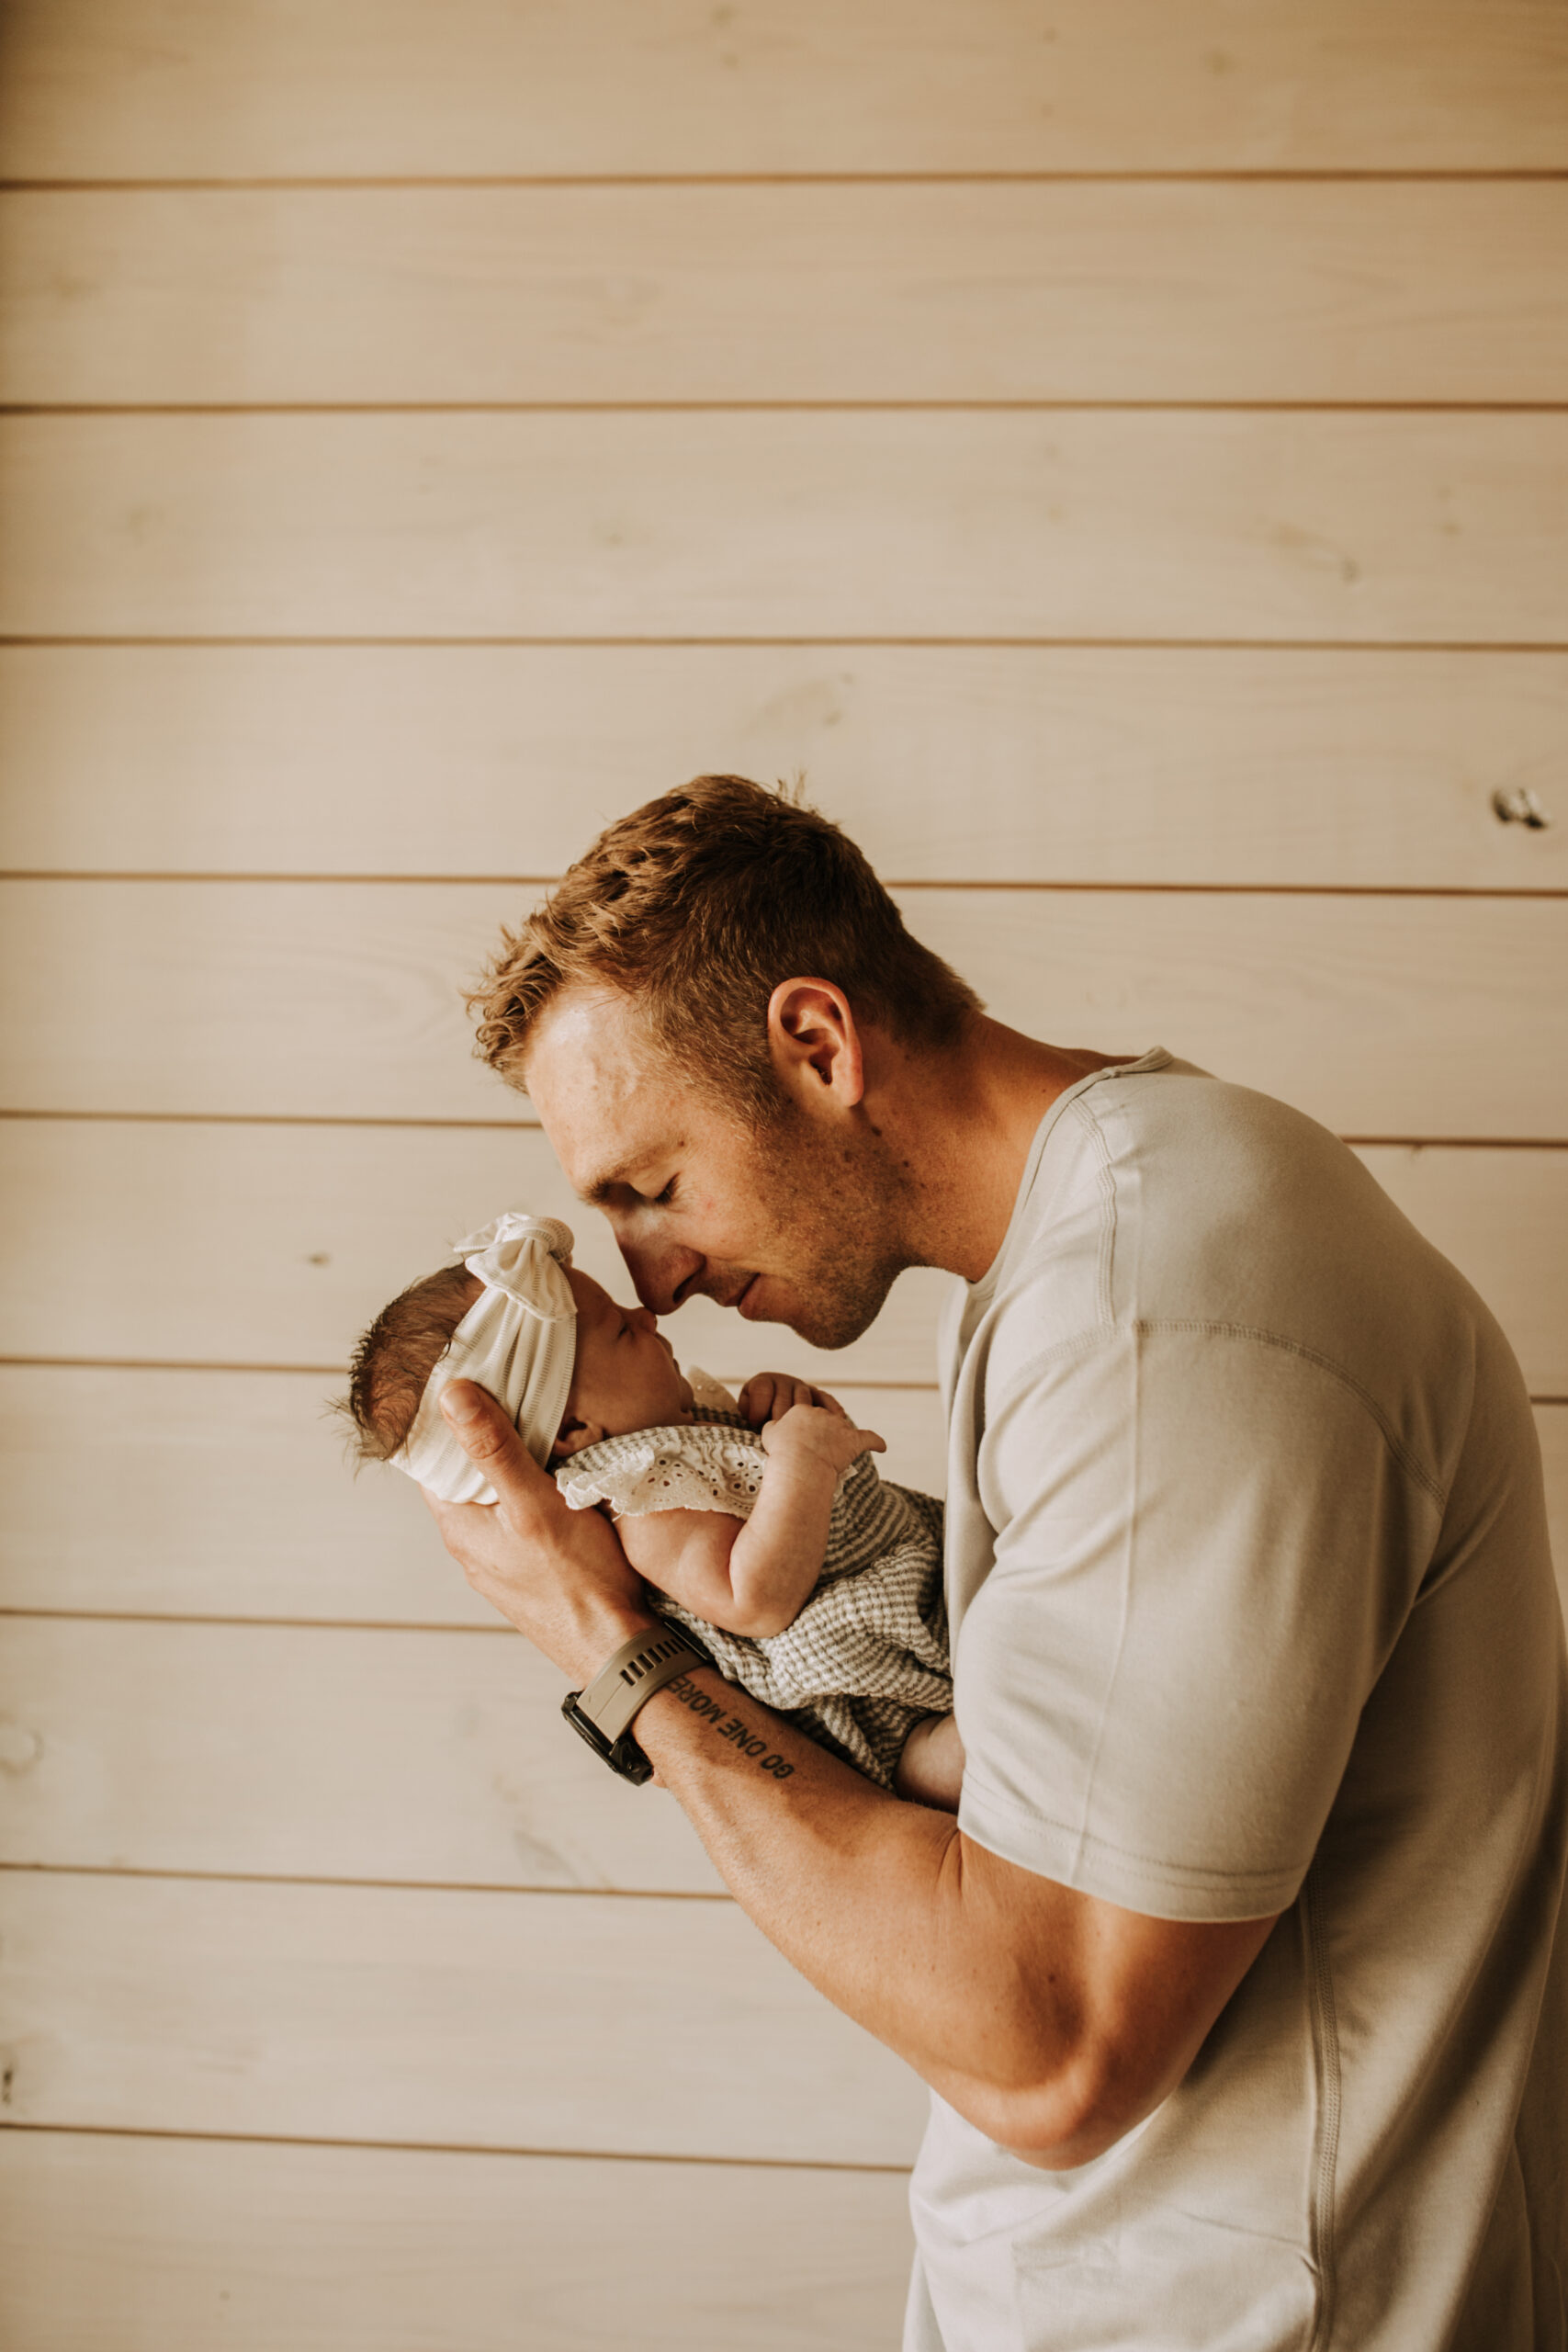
x=1189 y=1126
x=1174 y=1152
x=1168 y=1196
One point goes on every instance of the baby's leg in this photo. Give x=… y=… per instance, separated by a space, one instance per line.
x=930 y=1770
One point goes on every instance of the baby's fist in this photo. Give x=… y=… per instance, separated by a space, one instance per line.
x=821 y=1433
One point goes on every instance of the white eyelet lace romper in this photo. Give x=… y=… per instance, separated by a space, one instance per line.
x=867 y=1655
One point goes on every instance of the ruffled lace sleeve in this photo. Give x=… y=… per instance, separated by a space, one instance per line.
x=703 y=1466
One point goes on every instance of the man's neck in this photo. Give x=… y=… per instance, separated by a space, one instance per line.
x=959 y=1125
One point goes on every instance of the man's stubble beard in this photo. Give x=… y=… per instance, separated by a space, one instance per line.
x=836 y=1222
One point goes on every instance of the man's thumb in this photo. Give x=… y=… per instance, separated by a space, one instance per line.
x=475 y=1420
x=487 y=1436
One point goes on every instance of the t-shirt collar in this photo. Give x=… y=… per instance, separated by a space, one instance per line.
x=978 y=1293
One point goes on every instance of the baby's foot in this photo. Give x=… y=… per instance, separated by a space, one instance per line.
x=930 y=1770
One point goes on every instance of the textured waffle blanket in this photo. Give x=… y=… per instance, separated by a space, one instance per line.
x=867 y=1655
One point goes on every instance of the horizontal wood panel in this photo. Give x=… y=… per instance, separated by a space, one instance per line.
x=213 y=1495
x=1502 y=1218
x=316 y=1753
x=147 y=2245
x=1416 y=291
x=529 y=2021
x=222 y=1495
x=128 y=88
x=1365 y=527
x=977 y=763
x=346 y=1000
x=1324 y=1001
x=277 y=1245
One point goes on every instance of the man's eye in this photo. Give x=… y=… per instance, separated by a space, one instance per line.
x=662 y=1200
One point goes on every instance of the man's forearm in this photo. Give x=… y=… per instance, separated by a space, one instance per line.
x=1054 y=2022
x=869 y=1897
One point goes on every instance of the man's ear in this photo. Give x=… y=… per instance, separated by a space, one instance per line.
x=815 y=1043
x=573 y=1436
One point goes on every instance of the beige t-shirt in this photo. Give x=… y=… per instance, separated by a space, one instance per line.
x=1252 y=1609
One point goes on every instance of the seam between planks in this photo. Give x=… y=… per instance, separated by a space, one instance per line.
x=508 y=1126
x=280 y=1625
x=187 y=642
x=1218 y=176
x=299 y=1371
x=382 y=1886
x=269 y=1119
x=951 y=883
x=444 y=2148
x=1025 y=406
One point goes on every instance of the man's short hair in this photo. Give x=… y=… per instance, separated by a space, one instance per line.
x=697 y=906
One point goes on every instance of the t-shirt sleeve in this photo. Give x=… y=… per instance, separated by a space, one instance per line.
x=1206 y=1545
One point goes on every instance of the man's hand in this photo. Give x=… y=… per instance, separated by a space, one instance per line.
x=769 y=1396
x=558 y=1575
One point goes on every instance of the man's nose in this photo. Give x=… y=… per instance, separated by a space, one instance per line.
x=664 y=1279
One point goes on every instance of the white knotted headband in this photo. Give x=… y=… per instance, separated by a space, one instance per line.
x=518 y=1340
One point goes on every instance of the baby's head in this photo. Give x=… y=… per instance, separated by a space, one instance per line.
x=515 y=1315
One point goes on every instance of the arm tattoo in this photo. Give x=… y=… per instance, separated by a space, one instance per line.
x=730 y=1727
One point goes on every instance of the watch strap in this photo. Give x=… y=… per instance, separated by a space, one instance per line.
x=628 y=1680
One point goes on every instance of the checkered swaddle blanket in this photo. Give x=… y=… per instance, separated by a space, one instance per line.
x=867 y=1655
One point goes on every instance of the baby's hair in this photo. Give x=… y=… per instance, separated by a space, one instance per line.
x=397 y=1356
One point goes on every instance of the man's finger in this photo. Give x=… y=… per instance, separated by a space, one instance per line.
x=487 y=1436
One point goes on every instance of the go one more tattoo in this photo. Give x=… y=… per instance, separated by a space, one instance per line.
x=730 y=1727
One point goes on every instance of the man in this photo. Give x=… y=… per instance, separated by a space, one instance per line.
x=1239 y=1981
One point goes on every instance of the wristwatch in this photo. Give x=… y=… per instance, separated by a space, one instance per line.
x=602 y=1712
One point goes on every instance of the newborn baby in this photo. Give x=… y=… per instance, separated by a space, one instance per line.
x=761 y=1522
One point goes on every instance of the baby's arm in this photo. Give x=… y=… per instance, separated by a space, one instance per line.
x=751 y=1577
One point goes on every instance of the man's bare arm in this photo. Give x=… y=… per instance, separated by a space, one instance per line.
x=1053 y=2021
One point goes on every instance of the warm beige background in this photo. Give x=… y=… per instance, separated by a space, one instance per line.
x=1117 y=451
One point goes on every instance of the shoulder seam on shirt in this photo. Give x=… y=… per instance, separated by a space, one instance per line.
x=1084 y=1342
x=1105 y=1182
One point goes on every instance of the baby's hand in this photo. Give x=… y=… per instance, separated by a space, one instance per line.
x=823 y=1433
x=769 y=1396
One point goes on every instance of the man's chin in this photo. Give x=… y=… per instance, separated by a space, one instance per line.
x=830 y=1324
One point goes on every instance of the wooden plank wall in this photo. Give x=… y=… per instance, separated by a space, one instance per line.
x=1116 y=451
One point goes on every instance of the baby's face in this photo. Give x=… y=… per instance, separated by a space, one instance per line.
x=625 y=1376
